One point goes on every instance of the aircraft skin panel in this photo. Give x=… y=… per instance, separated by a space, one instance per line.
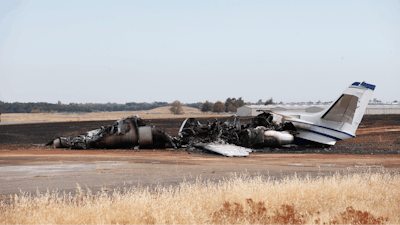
x=324 y=135
x=227 y=149
x=318 y=128
x=320 y=138
x=333 y=134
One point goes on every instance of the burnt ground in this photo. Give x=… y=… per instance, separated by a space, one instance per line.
x=377 y=134
x=26 y=165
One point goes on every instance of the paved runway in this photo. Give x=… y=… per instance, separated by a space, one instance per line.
x=63 y=170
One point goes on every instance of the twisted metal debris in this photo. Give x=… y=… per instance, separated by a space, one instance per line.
x=261 y=131
x=128 y=132
x=131 y=132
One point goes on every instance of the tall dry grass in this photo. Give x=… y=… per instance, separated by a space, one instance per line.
x=367 y=197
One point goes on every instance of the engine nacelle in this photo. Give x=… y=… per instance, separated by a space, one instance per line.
x=281 y=137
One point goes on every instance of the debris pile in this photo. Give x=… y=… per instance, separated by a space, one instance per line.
x=261 y=131
x=124 y=133
x=222 y=137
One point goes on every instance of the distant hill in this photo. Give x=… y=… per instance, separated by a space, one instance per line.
x=165 y=110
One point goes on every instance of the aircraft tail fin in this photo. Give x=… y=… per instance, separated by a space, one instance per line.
x=348 y=110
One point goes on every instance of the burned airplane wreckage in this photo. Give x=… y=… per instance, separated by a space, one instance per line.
x=127 y=132
x=260 y=132
x=228 y=138
x=339 y=121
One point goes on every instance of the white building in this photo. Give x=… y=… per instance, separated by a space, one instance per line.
x=383 y=109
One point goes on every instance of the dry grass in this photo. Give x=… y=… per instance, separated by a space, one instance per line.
x=361 y=198
x=161 y=112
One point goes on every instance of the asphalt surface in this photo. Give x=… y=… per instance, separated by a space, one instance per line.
x=43 y=169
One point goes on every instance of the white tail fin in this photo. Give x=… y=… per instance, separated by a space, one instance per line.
x=348 y=110
x=337 y=122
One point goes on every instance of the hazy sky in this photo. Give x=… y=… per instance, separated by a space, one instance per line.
x=145 y=51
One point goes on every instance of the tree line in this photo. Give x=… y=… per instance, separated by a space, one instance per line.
x=38 y=107
x=229 y=105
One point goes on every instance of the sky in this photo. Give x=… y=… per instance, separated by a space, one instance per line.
x=192 y=51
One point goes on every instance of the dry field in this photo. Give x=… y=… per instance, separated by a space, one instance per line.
x=161 y=112
x=360 y=198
